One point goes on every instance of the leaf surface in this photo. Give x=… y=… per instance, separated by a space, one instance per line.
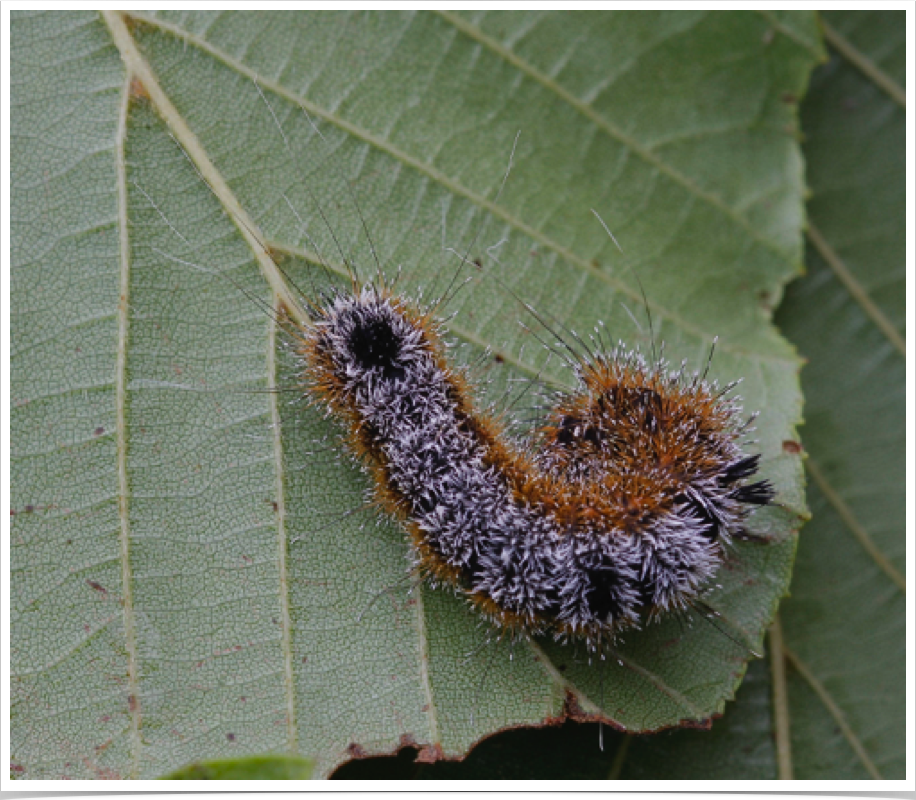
x=845 y=623
x=194 y=574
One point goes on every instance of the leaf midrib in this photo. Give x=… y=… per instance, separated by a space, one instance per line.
x=121 y=388
x=286 y=626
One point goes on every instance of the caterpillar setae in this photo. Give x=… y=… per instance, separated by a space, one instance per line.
x=619 y=514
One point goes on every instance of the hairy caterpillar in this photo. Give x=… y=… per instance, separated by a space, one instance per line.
x=621 y=513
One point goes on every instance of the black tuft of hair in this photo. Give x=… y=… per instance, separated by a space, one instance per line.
x=374 y=344
x=758 y=494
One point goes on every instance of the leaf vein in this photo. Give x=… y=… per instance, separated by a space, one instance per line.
x=852 y=522
x=835 y=711
x=612 y=130
x=445 y=181
x=864 y=64
x=855 y=289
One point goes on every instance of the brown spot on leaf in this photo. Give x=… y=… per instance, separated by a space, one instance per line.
x=430 y=754
x=138 y=90
x=572 y=710
x=356 y=750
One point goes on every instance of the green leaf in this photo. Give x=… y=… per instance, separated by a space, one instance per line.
x=192 y=580
x=845 y=623
x=251 y=768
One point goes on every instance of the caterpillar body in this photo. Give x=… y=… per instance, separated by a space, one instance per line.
x=620 y=512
